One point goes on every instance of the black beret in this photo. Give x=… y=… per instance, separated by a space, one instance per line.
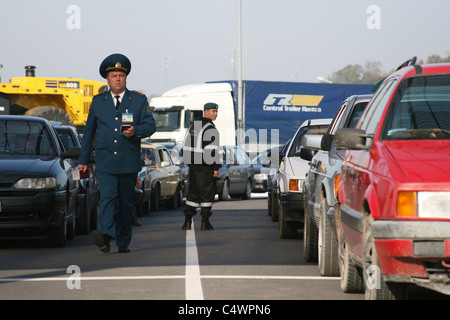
x=115 y=62
x=210 y=105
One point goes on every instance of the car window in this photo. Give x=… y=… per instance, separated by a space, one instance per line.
x=354 y=117
x=242 y=156
x=66 y=138
x=334 y=124
x=298 y=139
x=148 y=154
x=263 y=157
x=371 y=117
x=420 y=109
x=228 y=155
x=160 y=155
x=190 y=116
x=25 y=137
x=166 y=156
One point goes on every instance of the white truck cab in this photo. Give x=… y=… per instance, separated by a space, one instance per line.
x=178 y=107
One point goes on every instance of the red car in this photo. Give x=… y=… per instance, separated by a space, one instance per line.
x=393 y=220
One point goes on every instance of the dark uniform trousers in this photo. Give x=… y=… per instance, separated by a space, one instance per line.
x=114 y=187
x=202 y=189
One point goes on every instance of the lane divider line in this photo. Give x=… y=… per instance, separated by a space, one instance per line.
x=193 y=283
x=163 y=277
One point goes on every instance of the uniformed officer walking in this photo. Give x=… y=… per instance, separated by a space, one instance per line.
x=118 y=120
x=200 y=152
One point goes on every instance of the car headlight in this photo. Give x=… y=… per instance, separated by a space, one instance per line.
x=261 y=176
x=36 y=183
x=423 y=204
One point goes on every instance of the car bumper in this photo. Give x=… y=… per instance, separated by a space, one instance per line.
x=32 y=210
x=292 y=206
x=414 y=251
x=260 y=186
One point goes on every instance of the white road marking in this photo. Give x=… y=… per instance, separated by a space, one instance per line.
x=194 y=290
x=193 y=281
x=164 y=277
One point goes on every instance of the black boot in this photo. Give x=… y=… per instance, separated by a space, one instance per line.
x=206 y=225
x=187 y=223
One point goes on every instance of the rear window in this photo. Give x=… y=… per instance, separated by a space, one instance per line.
x=25 y=138
x=420 y=109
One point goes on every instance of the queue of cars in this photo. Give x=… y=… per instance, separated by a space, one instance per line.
x=370 y=187
x=37 y=170
x=319 y=241
x=377 y=192
x=41 y=189
x=43 y=193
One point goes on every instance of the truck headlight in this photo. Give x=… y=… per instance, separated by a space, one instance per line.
x=36 y=183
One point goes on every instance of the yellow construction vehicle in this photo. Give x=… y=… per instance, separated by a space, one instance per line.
x=66 y=100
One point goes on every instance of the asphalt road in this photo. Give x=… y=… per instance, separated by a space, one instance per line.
x=242 y=259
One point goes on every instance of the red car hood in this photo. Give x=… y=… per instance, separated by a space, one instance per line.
x=422 y=160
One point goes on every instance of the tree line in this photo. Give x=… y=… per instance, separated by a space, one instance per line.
x=371 y=72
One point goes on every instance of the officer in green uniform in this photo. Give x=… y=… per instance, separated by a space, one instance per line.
x=118 y=120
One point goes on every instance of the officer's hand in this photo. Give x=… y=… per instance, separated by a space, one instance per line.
x=216 y=174
x=82 y=167
x=129 y=132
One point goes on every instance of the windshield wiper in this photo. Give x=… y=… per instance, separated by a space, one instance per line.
x=412 y=133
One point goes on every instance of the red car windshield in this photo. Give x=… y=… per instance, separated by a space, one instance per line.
x=420 y=109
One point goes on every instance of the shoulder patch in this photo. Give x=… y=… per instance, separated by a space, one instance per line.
x=139 y=93
x=99 y=94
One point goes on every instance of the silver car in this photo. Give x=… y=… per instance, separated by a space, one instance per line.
x=319 y=187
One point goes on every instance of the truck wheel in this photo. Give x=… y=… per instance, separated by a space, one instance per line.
x=50 y=113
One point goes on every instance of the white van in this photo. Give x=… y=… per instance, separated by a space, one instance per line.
x=176 y=108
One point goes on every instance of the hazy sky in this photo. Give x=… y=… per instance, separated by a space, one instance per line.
x=283 y=40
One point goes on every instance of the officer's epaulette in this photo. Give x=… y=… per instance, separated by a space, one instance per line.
x=99 y=94
x=139 y=93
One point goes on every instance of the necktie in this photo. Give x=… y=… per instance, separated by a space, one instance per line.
x=117 y=103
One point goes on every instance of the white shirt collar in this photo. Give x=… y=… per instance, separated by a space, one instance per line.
x=120 y=95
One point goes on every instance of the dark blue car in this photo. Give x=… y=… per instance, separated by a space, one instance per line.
x=37 y=189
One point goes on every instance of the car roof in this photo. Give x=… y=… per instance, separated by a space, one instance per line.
x=424 y=69
x=151 y=146
x=316 y=122
x=24 y=118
